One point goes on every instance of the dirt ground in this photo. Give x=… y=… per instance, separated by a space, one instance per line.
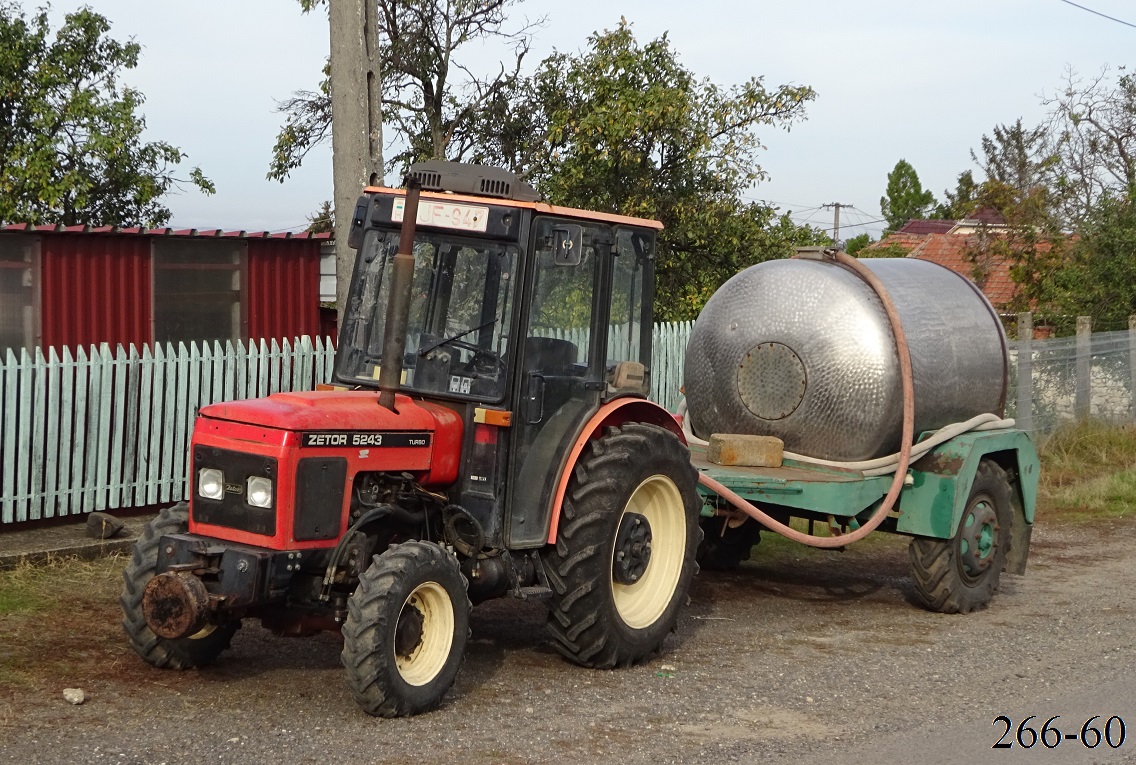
x=799 y=656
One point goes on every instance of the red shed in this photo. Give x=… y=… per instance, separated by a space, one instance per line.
x=78 y=285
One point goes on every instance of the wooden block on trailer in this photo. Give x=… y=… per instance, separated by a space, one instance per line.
x=745 y=451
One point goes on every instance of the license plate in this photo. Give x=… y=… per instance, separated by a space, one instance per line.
x=445 y=215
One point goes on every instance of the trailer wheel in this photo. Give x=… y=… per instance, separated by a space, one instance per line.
x=406 y=630
x=961 y=574
x=725 y=547
x=625 y=552
x=183 y=653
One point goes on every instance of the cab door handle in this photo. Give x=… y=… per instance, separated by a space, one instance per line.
x=535 y=400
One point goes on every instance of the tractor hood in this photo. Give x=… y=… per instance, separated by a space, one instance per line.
x=330 y=410
x=421 y=436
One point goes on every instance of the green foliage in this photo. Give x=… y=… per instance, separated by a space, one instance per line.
x=905 y=198
x=626 y=128
x=1099 y=278
x=857 y=243
x=71 y=148
x=1017 y=157
x=1088 y=469
x=1031 y=241
x=892 y=250
x=323 y=221
x=958 y=204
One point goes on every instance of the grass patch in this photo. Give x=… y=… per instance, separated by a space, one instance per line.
x=59 y=619
x=1088 y=470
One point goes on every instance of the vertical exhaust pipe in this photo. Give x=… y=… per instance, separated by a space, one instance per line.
x=398 y=310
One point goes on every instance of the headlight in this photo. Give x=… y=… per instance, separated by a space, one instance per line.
x=259 y=491
x=211 y=483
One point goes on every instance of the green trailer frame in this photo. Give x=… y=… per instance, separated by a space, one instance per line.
x=931 y=503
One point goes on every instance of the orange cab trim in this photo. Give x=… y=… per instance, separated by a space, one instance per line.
x=612 y=413
x=542 y=207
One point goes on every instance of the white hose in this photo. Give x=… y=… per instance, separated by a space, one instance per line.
x=880 y=465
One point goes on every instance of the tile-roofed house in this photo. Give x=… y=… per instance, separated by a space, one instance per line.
x=963 y=254
x=920 y=227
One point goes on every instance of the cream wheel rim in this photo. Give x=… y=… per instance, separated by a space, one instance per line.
x=659 y=501
x=428 y=611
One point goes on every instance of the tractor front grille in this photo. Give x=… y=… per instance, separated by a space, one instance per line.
x=233 y=510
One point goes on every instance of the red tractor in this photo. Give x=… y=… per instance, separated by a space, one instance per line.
x=487 y=434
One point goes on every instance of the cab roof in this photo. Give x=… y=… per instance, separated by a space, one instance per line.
x=540 y=207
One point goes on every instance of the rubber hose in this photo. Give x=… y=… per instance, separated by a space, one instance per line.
x=908 y=436
x=879 y=465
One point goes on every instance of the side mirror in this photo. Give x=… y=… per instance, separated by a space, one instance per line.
x=567 y=245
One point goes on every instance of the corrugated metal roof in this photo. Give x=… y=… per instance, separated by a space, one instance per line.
x=25 y=228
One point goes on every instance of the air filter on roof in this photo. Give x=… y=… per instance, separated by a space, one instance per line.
x=481 y=180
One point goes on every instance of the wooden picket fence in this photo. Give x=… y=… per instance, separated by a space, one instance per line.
x=96 y=429
x=99 y=430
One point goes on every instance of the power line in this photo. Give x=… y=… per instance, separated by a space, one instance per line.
x=1098 y=13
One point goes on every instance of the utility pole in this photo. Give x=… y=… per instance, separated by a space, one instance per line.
x=356 y=123
x=836 y=219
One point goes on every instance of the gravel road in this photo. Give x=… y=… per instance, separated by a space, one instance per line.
x=800 y=656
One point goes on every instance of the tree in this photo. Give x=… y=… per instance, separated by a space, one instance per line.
x=1018 y=158
x=323 y=221
x=1099 y=277
x=958 y=204
x=857 y=243
x=71 y=148
x=1031 y=241
x=431 y=101
x=626 y=128
x=905 y=198
x=1093 y=126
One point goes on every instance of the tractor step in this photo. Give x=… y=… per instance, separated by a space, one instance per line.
x=534 y=593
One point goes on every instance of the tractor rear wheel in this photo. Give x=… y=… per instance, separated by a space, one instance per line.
x=961 y=574
x=183 y=653
x=406 y=630
x=624 y=555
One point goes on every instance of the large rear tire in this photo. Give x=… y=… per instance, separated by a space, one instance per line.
x=183 y=653
x=624 y=556
x=961 y=574
x=406 y=630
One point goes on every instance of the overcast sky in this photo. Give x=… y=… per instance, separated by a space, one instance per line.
x=917 y=80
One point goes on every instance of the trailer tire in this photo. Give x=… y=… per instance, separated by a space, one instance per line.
x=624 y=555
x=725 y=551
x=961 y=574
x=406 y=630
x=182 y=653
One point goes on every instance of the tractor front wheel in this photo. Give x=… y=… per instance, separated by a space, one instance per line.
x=961 y=574
x=624 y=554
x=406 y=630
x=183 y=653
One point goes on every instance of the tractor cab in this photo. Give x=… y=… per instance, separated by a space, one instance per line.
x=524 y=319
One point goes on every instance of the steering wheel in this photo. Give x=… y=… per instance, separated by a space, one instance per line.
x=479 y=352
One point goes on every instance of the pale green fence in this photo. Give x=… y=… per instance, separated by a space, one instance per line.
x=96 y=429
x=99 y=430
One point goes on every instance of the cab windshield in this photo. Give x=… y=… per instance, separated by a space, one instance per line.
x=460 y=314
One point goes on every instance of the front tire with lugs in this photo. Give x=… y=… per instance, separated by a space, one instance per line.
x=406 y=630
x=182 y=653
x=961 y=574
x=624 y=555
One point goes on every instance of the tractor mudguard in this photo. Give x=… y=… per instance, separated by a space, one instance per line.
x=933 y=505
x=613 y=413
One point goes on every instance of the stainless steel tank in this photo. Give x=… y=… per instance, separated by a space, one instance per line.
x=802 y=350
